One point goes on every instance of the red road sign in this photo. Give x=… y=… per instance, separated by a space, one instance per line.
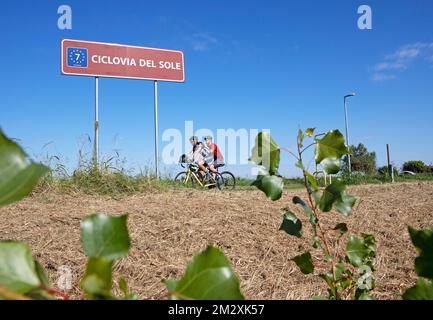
x=97 y=59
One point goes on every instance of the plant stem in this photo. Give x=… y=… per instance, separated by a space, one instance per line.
x=55 y=292
x=322 y=235
x=310 y=145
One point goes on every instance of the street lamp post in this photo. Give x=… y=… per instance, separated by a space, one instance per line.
x=347 y=128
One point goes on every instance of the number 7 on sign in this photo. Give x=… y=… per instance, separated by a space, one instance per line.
x=76 y=57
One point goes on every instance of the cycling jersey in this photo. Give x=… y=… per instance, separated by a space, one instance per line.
x=205 y=151
x=200 y=152
x=216 y=153
x=214 y=157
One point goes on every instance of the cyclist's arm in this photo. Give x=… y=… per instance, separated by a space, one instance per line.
x=213 y=149
x=198 y=150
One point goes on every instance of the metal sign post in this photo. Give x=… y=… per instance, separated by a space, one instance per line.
x=96 y=137
x=155 y=94
x=111 y=60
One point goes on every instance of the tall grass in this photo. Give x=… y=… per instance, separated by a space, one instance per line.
x=109 y=176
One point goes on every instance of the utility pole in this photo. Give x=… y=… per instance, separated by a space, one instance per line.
x=390 y=168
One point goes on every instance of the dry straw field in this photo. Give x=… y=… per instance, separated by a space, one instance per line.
x=168 y=228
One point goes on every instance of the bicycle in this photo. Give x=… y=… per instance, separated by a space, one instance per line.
x=192 y=176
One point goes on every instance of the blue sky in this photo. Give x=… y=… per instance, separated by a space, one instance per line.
x=249 y=64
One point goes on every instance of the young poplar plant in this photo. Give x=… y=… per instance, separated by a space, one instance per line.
x=105 y=241
x=423 y=242
x=347 y=270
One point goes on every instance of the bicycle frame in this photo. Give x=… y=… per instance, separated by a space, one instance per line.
x=190 y=173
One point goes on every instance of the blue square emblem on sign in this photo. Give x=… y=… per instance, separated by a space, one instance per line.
x=77 y=57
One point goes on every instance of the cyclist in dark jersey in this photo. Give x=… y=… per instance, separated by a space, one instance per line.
x=199 y=152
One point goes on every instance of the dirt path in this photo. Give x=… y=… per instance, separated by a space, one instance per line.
x=168 y=228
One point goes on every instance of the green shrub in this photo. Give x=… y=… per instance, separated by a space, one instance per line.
x=384 y=170
x=361 y=160
x=416 y=166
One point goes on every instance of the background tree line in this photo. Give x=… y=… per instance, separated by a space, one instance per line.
x=364 y=161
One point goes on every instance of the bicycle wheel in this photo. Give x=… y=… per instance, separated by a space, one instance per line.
x=180 y=180
x=218 y=180
x=229 y=180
